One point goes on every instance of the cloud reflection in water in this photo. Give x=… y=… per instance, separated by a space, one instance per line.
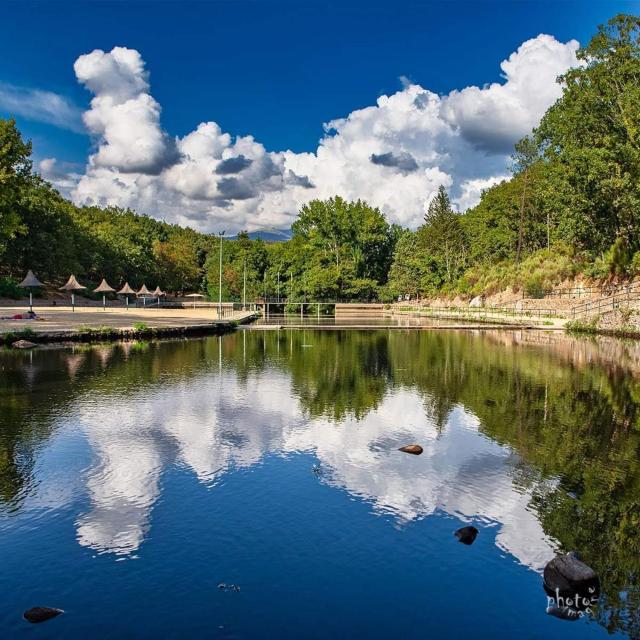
x=215 y=422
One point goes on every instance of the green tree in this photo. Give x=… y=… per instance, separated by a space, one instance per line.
x=442 y=237
x=344 y=249
x=525 y=156
x=591 y=139
x=15 y=173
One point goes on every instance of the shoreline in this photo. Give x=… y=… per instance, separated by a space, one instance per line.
x=60 y=326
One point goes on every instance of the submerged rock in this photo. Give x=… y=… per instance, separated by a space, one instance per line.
x=41 y=614
x=414 y=449
x=23 y=344
x=571 y=582
x=466 y=535
x=564 y=613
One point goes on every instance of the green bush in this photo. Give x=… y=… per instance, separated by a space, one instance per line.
x=534 y=287
x=9 y=289
x=140 y=326
x=619 y=258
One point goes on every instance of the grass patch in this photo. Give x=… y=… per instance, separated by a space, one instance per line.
x=95 y=331
x=580 y=326
x=140 y=326
x=13 y=336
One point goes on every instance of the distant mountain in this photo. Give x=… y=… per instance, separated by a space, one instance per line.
x=277 y=235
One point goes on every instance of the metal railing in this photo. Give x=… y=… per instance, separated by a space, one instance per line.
x=619 y=295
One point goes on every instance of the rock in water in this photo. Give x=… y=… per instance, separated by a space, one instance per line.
x=414 y=449
x=41 y=614
x=569 y=578
x=23 y=344
x=466 y=535
x=564 y=613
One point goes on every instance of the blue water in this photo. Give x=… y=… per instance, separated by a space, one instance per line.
x=139 y=479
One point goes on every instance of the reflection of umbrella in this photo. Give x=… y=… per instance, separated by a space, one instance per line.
x=30 y=281
x=194 y=296
x=73 y=362
x=72 y=285
x=104 y=288
x=104 y=354
x=126 y=291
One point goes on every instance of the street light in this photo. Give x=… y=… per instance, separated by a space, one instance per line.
x=244 y=287
x=220 y=233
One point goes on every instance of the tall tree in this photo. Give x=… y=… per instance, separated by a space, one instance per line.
x=591 y=138
x=525 y=156
x=345 y=248
x=442 y=236
x=15 y=173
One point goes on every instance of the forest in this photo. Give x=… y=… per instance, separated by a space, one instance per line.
x=571 y=206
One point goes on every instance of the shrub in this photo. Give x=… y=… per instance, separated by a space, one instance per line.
x=9 y=288
x=619 y=258
x=140 y=326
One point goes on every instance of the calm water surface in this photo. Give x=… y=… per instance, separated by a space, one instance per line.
x=137 y=477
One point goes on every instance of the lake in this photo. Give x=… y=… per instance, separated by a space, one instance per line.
x=250 y=485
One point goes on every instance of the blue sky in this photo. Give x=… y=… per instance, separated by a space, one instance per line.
x=274 y=70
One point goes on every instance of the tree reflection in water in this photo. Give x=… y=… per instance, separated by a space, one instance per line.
x=537 y=432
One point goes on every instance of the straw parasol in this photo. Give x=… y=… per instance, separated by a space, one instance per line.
x=158 y=293
x=72 y=285
x=104 y=288
x=194 y=296
x=29 y=282
x=126 y=291
x=144 y=293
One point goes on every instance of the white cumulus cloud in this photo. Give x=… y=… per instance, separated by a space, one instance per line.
x=394 y=154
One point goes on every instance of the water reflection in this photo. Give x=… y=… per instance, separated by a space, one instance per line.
x=534 y=434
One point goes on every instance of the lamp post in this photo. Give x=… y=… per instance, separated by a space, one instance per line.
x=304 y=294
x=220 y=233
x=244 y=286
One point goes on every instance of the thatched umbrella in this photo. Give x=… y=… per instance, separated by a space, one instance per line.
x=194 y=296
x=29 y=282
x=144 y=293
x=158 y=293
x=126 y=291
x=72 y=285
x=104 y=288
